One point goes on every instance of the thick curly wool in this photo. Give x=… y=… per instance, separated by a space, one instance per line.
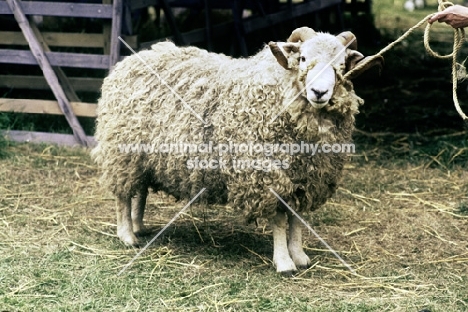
x=237 y=98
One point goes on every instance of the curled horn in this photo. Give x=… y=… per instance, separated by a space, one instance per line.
x=364 y=64
x=301 y=34
x=280 y=57
x=348 y=37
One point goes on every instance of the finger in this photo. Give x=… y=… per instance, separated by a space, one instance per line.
x=441 y=18
x=434 y=18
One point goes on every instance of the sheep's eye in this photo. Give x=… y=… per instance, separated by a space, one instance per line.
x=302 y=58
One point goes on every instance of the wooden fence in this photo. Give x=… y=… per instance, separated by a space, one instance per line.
x=67 y=102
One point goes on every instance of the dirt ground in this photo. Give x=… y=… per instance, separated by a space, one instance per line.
x=399 y=218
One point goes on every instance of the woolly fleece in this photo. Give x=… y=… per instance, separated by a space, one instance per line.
x=237 y=98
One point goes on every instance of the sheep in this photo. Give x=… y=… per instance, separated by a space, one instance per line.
x=259 y=99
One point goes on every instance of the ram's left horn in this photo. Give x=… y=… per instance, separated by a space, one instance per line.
x=369 y=62
x=302 y=34
x=348 y=37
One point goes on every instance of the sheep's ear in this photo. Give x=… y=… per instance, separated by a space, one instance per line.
x=354 y=58
x=284 y=52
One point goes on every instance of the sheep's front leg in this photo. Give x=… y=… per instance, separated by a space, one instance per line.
x=295 y=243
x=138 y=210
x=124 y=221
x=281 y=258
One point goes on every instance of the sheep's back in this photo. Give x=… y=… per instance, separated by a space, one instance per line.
x=153 y=98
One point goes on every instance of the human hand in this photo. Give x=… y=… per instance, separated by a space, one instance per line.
x=455 y=16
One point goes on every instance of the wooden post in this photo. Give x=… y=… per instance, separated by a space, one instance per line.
x=63 y=79
x=208 y=26
x=106 y=31
x=238 y=27
x=179 y=39
x=49 y=73
x=115 y=32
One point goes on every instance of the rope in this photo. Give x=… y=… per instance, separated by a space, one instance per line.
x=459 y=37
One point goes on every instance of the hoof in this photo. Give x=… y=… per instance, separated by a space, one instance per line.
x=287 y=274
x=132 y=243
x=136 y=244
x=286 y=268
x=301 y=260
x=129 y=239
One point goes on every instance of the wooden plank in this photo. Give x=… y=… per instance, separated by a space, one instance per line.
x=56 y=39
x=39 y=83
x=49 y=74
x=115 y=33
x=77 y=60
x=45 y=137
x=89 y=10
x=63 y=79
x=45 y=107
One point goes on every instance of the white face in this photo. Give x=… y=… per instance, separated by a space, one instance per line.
x=320 y=80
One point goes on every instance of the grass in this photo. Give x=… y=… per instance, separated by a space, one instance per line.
x=399 y=219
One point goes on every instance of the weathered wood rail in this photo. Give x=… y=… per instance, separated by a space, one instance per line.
x=67 y=102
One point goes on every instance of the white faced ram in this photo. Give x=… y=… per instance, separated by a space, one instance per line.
x=289 y=92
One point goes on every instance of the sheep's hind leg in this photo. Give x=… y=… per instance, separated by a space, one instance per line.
x=138 y=210
x=301 y=260
x=283 y=262
x=124 y=221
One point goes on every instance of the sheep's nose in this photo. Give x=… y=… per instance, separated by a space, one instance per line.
x=319 y=93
